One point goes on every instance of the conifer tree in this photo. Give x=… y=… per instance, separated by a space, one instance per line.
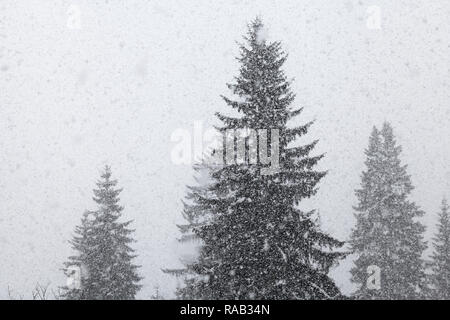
x=256 y=242
x=103 y=252
x=387 y=234
x=440 y=259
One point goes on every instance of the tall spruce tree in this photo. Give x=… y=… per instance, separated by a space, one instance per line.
x=103 y=252
x=257 y=243
x=387 y=234
x=440 y=259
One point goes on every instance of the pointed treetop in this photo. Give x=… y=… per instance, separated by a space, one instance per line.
x=388 y=133
x=257 y=33
x=444 y=205
x=256 y=30
x=106 y=181
x=106 y=172
x=106 y=192
x=374 y=141
x=384 y=141
x=375 y=132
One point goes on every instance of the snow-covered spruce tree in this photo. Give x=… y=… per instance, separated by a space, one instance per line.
x=387 y=234
x=103 y=253
x=257 y=243
x=440 y=259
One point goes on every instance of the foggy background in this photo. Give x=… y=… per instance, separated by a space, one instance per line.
x=89 y=83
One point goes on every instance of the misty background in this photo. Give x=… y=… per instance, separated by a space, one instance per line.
x=89 y=83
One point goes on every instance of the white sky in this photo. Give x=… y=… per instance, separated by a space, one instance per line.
x=114 y=89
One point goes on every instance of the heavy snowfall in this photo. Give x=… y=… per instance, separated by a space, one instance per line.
x=210 y=150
